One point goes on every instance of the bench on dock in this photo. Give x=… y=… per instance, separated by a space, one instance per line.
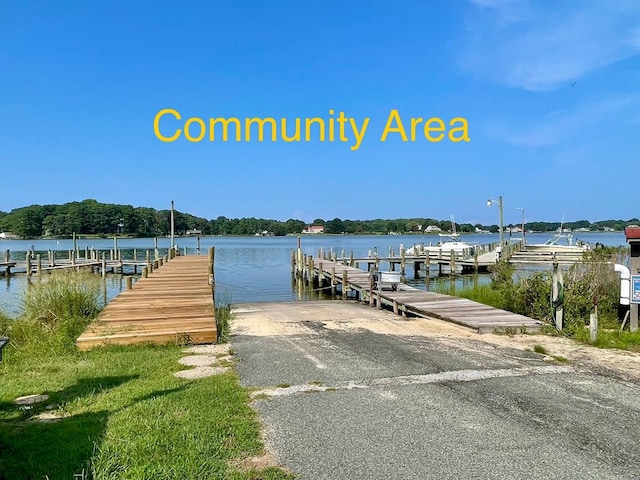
x=390 y=279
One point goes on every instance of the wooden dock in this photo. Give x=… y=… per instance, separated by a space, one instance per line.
x=175 y=303
x=330 y=275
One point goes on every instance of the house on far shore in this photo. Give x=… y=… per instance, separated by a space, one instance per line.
x=432 y=228
x=8 y=236
x=193 y=232
x=314 y=229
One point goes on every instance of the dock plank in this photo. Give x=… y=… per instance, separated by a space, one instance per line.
x=174 y=304
x=462 y=311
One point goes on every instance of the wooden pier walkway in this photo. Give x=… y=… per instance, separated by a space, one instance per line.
x=409 y=300
x=175 y=303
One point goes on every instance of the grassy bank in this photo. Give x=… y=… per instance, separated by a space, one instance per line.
x=117 y=412
x=585 y=285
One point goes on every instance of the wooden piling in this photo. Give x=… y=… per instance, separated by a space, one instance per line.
x=371 y=283
x=345 y=281
x=145 y=272
x=211 y=267
x=333 y=281
x=103 y=265
x=7 y=255
x=28 y=260
x=129 y=283
x=38 y=265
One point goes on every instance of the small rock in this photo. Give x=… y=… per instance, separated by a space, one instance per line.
x=198 y=360
x=200 y=372
x=31 y=399
x=215 y=349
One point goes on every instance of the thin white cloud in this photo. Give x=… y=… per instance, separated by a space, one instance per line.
x=542 y=45
x=558 y=126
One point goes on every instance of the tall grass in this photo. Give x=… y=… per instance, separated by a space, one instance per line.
x=55 y=311
x=63 y=295
x=223 y=316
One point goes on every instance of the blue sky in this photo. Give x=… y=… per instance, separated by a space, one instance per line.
x=549 y=89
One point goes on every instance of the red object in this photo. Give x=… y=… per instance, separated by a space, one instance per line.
x=632 y=233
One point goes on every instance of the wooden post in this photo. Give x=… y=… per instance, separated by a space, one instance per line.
x=475 y=260
x=395 y=306
x=75 y=242
x=452 y=263
x=38 y=265
x=86 y=253
x=104 y=265
x=7 y=255
x=73 y=257
x=50 y=257
x=333 y=281
x=198 y=245
x=557 y=295
x=156 y=254
x=28 y=259
x=115 y=243
x=593 y=326
x=148 y=257
x=129 y=283
x=145 y=272
x=402 y=261
x=345 y=282
x=111 y=255
x=160 y=261
x=293 y=261
x=212 y=272
x=135 y=254
x=371 y=283
x=351 y=258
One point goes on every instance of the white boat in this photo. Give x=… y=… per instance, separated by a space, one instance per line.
x=452 y=243
x=561 y=242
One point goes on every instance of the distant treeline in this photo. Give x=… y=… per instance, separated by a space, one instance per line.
x=90 y=217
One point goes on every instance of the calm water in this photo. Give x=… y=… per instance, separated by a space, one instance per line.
x=255 y=269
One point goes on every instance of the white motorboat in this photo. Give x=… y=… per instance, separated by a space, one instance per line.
x=452 y=243
x=561 y=242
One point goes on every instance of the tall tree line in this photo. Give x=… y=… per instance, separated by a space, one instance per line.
x=90 y=217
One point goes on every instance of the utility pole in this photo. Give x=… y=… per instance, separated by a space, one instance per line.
x=172 y=224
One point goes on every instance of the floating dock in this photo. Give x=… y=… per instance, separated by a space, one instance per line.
x=330 y=275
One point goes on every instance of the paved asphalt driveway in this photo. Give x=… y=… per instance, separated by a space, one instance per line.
x=348 y=392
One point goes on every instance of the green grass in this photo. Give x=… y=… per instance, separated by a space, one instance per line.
x=611 y=338
x=113 y=413
x=540 y=349
x=480 y=293
x=122 y=414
